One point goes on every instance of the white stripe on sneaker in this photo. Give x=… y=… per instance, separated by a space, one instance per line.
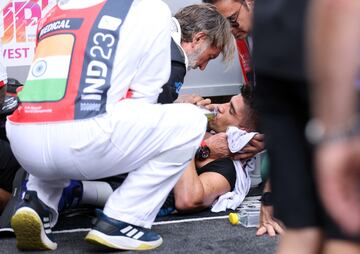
x=138 y=235
x=127 y=229
x=132 y=232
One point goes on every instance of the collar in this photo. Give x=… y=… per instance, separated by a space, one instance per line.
x=176 y=35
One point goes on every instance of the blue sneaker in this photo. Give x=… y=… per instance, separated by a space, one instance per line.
x=31 y=224
x=71 y=196
x=121 y=235
x=168 y=207
x=166 y=211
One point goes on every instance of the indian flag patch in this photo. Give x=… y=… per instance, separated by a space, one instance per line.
x=48 y=75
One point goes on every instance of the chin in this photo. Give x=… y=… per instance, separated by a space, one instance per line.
x=212 y=126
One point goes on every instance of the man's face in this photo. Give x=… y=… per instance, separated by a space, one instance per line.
x=200 y=55
x=229 y=114
x=239 y=14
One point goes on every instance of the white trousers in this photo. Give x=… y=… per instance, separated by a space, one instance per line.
x=153 y=142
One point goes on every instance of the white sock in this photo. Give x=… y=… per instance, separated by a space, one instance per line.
x=96 y=193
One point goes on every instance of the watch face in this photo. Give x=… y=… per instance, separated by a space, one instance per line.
x=202 y=153
x=205 y=152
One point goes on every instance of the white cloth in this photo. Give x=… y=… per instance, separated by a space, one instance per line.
x=154 y=143
x=237 y=139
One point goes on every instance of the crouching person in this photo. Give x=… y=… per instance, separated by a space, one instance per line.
x=87 y=111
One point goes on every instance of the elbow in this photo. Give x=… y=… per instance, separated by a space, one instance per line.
x=189 y=203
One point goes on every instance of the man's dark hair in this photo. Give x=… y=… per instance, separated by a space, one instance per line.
x=251 y=119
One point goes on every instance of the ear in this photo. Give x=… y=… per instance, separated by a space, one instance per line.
x=199 y=38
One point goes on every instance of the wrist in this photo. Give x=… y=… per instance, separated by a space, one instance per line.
x=203 y=152
x=317 y=133
x=266 y=199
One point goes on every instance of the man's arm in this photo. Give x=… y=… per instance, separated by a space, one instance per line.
x=189 y=191
x=334 y=65
x=268 y=224
x=193 y=192
x=218 y=146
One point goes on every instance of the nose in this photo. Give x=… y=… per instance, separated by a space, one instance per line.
x=221 y=108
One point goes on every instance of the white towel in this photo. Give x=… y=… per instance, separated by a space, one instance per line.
x=237 y=139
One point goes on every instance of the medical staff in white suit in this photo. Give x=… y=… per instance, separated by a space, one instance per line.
x=88 y=111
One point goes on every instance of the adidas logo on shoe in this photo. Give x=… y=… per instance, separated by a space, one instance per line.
x=121 y=235
x=31 y=224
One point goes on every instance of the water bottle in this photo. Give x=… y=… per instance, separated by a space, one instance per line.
x=248 y=213
x=248 y=219
x=210 y=114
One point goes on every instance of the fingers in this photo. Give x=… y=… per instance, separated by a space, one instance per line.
x=259 y=144
x=193 y=99
x=188 y=98
x=247 y=152
x=196 y=99
x=261 y=231
x=250 y=149
x=270 y=228
x=278 y=229
x=242 y=156
x=203 y=102
x=259 y=137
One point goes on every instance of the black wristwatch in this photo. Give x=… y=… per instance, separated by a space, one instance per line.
x=203 y=152
x=266 y=199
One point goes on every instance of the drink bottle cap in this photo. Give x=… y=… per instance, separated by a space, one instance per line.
x=233 y=218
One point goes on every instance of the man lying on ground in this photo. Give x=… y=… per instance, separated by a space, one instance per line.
x=208 y=178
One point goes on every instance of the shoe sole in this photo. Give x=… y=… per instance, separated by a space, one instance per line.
x=29 y=231
x=120 y=242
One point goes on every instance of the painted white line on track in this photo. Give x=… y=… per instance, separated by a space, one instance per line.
x=77 y=230
x=155 y=223
x=190 y=220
